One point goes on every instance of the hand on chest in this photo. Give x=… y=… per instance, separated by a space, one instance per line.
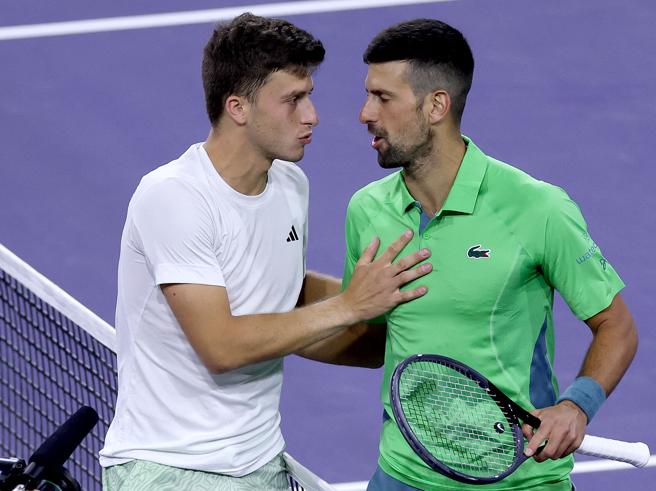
x=475 y=263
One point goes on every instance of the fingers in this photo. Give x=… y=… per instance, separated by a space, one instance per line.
x=413 y=274
x=533 y=434
x=392 y=251
x=535 y=442
x=375 y=286
x=527 y=430
x=369 y=252
x=554 y=449
x=407 y=277
x=560 y=442
x=409 y=261
x=561 y=428
x=407 y=295
x=396 y=247
x=401 y=270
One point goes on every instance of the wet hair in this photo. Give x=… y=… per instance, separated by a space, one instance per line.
x=438 y=56
x=242 y=54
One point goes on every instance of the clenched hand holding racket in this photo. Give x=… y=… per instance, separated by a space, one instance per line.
x=465 y=428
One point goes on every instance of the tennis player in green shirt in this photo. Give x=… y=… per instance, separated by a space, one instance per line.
x=501 y=242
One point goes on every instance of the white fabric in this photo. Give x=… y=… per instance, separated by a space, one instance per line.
x=186 y=225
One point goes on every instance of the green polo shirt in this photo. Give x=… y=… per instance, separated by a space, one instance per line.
x=501 y=244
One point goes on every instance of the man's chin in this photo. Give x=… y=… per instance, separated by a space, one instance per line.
x=292 y=157
x=387 y=163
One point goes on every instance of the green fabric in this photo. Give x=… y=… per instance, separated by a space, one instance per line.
x=142 y=475
x=484 y=311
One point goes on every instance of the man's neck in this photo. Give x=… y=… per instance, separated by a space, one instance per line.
x=237 y=161
x=430 y=179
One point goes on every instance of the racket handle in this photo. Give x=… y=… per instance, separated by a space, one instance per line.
x=634 y=453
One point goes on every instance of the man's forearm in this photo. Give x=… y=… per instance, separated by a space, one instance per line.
x=318 y=286
x=614 y=344
x=361 y=345
x=265 y=336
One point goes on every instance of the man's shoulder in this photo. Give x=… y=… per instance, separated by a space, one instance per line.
x=182 y=175
x=522 y=202
x=376 y=192
x=186 y=166
x=509 y=183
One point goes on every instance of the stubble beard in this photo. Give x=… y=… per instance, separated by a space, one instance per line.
x=407 y=157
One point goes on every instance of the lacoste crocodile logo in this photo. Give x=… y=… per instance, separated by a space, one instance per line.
x=476 y=252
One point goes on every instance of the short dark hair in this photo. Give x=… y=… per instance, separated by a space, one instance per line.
x=240 y=56
x=438 y=56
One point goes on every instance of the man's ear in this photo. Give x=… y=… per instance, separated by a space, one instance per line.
x=236 y=108
x=438 y=104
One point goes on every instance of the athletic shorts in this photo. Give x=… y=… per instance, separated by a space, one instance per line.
x=143 y=475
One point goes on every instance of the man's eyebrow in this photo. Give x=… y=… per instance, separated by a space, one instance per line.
x=378 y=92
x=297 y=93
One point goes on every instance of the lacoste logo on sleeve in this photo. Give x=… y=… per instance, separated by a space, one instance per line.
x=476 y=252
x=292 y=235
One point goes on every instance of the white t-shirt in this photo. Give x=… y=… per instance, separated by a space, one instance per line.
x=186 y=225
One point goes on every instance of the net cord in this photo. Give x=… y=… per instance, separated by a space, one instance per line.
x=57 y=298
x=304 y=477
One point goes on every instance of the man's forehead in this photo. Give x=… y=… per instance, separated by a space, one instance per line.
x=390 y=74
x=285 y=81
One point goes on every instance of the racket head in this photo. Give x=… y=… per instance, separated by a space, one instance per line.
x=456 y=420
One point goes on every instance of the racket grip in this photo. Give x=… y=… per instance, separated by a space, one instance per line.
x=634 y=453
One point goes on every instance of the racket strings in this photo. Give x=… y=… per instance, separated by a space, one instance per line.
x=457 y=420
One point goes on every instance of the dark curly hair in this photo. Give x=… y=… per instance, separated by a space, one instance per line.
x=439 y=58
x=240 y=56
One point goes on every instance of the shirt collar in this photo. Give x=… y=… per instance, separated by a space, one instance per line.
x=464 y=192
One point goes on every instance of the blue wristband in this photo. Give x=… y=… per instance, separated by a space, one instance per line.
x=587 y=394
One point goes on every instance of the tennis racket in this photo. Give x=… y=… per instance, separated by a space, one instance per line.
x=465 y=428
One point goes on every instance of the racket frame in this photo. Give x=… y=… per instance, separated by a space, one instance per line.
x=514 y=412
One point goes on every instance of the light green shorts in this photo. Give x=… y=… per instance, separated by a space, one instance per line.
x=142 y=475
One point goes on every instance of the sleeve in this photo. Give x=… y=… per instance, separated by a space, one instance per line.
x=354 y=249
x=573 y=263
x=176 y=232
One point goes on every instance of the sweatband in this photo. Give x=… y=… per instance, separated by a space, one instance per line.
x=586 y=393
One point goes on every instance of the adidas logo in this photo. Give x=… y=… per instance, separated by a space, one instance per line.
x=292 y=235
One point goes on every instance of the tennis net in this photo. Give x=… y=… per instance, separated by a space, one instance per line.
x=55 y=356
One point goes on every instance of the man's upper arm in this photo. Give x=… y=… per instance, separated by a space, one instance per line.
x=201 y=311
x=176 y=232
x=573 y=263
x=616 y=314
